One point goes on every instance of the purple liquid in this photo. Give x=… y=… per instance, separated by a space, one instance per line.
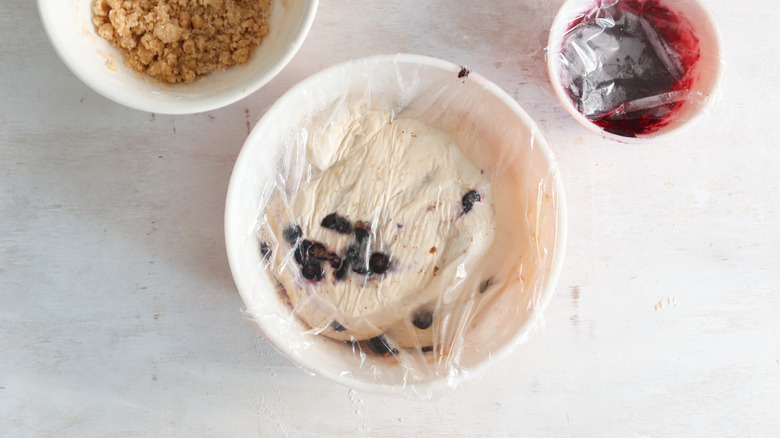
x=627 y=67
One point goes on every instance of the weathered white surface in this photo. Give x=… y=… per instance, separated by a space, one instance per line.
x=119 y=316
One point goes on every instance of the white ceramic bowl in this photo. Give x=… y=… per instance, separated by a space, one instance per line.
x=474 y=112
x=101 y=66
x=706 y=71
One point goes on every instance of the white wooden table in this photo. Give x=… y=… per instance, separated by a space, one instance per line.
x=119 y=316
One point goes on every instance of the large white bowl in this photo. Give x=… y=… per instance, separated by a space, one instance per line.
x=101 y=66
x=491 y=129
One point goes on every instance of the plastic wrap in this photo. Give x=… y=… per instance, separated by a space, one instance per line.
x=634 y=70
x=395 y=223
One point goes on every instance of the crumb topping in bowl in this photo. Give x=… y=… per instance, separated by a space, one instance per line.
x=176 y=41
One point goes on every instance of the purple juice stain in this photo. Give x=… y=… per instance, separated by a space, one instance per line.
x=627 y=67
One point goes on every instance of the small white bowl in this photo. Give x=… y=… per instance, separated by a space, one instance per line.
x=68 y=24
x=492 y=130
x=706 y=72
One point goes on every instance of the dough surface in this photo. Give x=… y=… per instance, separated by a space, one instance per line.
x=405 y=183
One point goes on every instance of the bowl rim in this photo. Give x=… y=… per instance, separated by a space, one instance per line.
x=544 y=296
x=557 y=30
x=148 y=103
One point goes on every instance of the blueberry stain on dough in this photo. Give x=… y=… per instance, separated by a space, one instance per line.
x=485 y=285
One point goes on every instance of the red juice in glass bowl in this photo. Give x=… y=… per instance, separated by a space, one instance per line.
x=633 y=70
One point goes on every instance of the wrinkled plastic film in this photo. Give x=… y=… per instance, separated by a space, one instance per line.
x=436 y=314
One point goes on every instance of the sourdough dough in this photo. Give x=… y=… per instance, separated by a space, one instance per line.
x=426 y=208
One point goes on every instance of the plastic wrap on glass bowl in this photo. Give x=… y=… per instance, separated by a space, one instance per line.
x=635 y=70
x=395 y=223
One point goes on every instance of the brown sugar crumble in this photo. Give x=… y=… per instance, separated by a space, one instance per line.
x=178 y=40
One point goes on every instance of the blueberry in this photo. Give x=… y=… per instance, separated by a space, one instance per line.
x=359 y=267
x=353 y=257
x=292 y=233
x=463 y=73
x=329 y=221
x=312 y=270
x=303 y=251
x=422 y=319
x=469 y=199
x=361 y=235
x=334 y=260
x=427 y=349
x=265 y=250
x=337 y=223
x=308 y=249
x=337 y=326
x=379 y=263
x=362 y=231
x=342 y=271
x=378 y=345
x=318 y=251
x=352 y=253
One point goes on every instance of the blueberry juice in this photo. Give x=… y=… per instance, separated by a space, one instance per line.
x=626 y=65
